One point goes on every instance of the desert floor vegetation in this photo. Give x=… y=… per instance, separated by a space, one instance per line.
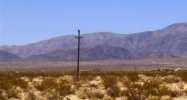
x=93 y=85
x=139 y=65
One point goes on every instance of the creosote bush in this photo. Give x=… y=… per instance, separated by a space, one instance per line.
x=133 y=76
x=109 y=81
x=2 y=97
x=9 y=80
x=57 y=85
x=50 y=84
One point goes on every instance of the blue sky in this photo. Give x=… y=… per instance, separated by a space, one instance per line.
x=29 y=21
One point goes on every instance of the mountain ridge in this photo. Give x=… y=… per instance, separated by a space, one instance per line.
x=171 y=39
x=97 y=53
x=6 y=56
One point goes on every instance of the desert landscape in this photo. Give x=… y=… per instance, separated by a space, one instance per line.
x=93 y=50
x=141 y=66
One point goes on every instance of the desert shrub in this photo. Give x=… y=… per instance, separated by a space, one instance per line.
x=183 y=76
x=63 y=88
x=20 y=83
x=96 y=70
x=114 y=91
x=181 y=85
x=126 y=82
x=154 y=98
x=163 y=90
x=32 y=75
x=47 y=84
x=152 y=84
x=185 y=91
x=4 y=85
x=9 y=80
x=31 y=96
x=134 y=97
x=175 y=93
x=86 y=77
x=133 y=91
x=77 y=85
x=172 y=79
x=2 y=97
x=160 y=73
x=132 y=94
x=133 y=76
x=55 y=89
x=109 y=81
x=93 y=86
x=152 y=74
x=97 y=95
x=89 y=93
x=151 y=87
x=85 y=94
x=6 y=81
x=13 y=93
x=136 y=91
x=163 y=74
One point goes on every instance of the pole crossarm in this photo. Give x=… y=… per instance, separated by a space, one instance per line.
x=78 y=35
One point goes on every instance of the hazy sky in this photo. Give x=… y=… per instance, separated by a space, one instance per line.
x=28 y=21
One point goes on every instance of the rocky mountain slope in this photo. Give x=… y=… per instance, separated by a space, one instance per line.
x=172 y=39
x=96 y=54
x=6 y=56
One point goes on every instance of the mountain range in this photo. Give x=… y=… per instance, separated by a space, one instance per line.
x=6 y=56
x=96 y=54
x=171 y=40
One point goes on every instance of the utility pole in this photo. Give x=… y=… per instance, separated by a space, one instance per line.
x=78 y=56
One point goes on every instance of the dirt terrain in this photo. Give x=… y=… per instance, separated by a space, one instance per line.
x=127 y=65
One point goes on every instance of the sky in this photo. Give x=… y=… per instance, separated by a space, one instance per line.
x=28 y=21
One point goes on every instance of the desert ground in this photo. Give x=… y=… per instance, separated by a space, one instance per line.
x=126 y=65
x=98 y=80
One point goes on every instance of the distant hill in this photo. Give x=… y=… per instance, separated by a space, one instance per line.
x=6 y=56
x=150 y=55
x=87 y=54
x=96 y=54
x=172 y=39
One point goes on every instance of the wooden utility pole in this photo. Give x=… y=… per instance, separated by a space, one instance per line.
x=78 y=56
